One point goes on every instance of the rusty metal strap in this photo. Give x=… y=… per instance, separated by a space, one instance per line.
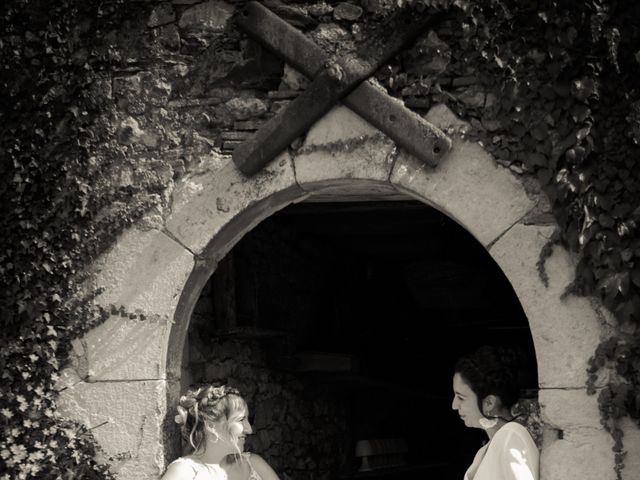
x=335 y=82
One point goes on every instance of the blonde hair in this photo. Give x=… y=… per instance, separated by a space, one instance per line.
x=203 y=405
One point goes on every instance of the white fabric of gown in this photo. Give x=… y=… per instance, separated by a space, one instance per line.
x=200 y=471
x=510 y=455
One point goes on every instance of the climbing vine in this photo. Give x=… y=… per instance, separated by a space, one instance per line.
x=559 y=100
x=549 y=87
x=55 y=112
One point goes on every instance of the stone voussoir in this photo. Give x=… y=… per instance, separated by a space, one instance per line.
x=214 y=193
x=565 y=330
x=144 y=271
x=468 y=183
x=582 y=454
x=141 y=278
x=569 y=409
x=343 y=147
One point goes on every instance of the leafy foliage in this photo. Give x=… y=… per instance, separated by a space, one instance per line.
x=548 y=87
x=50 y=197
x=561 y=103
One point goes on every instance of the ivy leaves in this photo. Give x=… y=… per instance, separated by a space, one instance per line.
x=550 y=88
x=47 y=130
x=567 y=110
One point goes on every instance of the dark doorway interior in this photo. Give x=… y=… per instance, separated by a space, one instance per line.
x=358 y=310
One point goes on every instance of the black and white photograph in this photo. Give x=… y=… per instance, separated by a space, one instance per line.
x=320 y=240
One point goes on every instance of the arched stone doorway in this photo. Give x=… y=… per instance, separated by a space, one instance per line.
x=341 y=321
x=127 y=369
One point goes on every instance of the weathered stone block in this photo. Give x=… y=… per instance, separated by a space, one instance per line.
x=208 y=17
x=246 y=108
x=583 y=454
x=569 y=409
x=161 y=15
x=234 y=135
x=129 y=132
x=144 y=271
x=330 y=34
x=293 y=80
x=343 y=147
x=467 y=185
x=319 y=9
x=473 y=97
x=122 y=348
x=215 y=193
x=142 y=276
x=565 y=331
x=347 y=11
x=127 y=424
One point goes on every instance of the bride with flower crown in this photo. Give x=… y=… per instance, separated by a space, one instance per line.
x=213 y=420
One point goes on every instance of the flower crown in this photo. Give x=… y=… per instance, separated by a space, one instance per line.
x=200 y=398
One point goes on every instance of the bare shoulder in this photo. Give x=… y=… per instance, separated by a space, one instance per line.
x=180 y=469
x=263 y=468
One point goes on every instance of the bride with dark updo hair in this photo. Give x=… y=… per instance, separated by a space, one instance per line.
x=213 y=421
x=486 y=387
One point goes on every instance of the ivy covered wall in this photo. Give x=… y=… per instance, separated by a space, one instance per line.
x=106 y=104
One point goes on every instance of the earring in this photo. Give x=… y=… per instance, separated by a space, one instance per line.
x=487 y=423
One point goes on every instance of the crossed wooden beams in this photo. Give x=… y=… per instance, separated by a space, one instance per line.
x=345 y=80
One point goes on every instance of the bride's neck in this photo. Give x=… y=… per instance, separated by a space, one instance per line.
x=493 y=430
x=214 y=453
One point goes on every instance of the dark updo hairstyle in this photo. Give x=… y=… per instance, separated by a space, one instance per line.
x=493 y=370
x=204 y=404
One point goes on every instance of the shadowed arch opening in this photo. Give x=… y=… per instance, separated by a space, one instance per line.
x=410 y=290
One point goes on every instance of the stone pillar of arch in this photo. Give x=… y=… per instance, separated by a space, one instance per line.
x=126 y=373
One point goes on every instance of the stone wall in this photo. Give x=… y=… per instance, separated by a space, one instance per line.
x=182 y=89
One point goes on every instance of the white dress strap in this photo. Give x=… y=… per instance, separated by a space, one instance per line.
x=253 y=475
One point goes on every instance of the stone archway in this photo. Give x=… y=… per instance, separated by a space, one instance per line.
x=128 y=370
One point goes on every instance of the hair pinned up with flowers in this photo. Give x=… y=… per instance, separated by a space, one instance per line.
x=203 y=405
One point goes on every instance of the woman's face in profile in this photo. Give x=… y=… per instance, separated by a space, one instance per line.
x=236 y=427
x=240 y=427
x=465 y=402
